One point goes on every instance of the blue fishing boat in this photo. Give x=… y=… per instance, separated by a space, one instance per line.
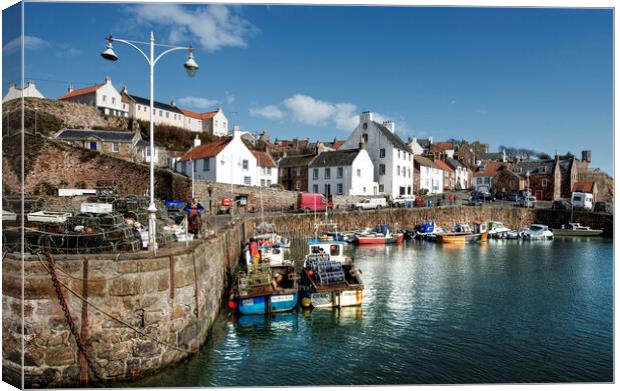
x=265 y=289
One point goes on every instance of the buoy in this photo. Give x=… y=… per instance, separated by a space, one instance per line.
x=89 y=230
x=306 y=302
x=310 y=273
x=232 y=305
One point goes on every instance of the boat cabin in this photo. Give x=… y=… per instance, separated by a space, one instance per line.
x=334 y=249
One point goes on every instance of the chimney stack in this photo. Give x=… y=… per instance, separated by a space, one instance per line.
x=365 y=116
x=173 y=103
x=12 y=85
x=108 y=80
x=390 y=125
x=30 y=83
x=125 y=90
x=70 y=88
x=362 y=144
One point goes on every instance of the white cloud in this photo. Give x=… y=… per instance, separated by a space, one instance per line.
x=453 y=102
x=230 y=99
x=269 y=111
x=212 y=27
x=198 y=103
x=482 y=111
x=30 y=43
x=308 y=110
x=346 y=116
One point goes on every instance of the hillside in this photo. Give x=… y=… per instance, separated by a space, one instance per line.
x=53 y=115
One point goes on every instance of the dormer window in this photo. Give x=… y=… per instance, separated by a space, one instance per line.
x=365 y=125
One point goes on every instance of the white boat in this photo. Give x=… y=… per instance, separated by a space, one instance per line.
x=538 y=232
x=576 y=229
x=335 y=249
x=498 y=230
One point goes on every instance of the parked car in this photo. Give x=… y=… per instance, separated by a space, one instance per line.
x=602 y=206
x=313 y=202
x=482 y=197
x=419 y=201
x=528 y=202
x=370 y=203
x=403 y=200
x=514 y=197
x=559 y=204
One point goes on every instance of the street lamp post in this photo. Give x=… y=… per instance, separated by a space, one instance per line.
x=191 y=67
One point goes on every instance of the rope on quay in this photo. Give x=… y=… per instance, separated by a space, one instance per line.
x=51 y=257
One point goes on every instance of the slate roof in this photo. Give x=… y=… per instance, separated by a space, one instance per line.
x=343 y=157
x=393 y=138
x=454 y=163
x=105 y=135
x=205 y=150
x=296 y=161
x=157 y=105
x=263 y=159
x=583 y=187
x=535 y=167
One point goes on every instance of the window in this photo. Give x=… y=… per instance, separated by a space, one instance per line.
x=398 y=170
x=297 y=184
x=148 y=151
x=167 y=114
x=115 y=147
x=262 y=182
x=365 y=126
x=224 y=124
x=328 y=173
x=545 y=182
x=381 y=171
x=409 y=172
x=359 y=173
x=245 y=164
x=328 y=189
x=298 y=171
x=206 y=164
x=104 y=98
x=124 y=106
x=487 y=180
x=315 y=175
x=315 y=188
x=161 y=113
x=339 y=172
x=399 y=153
x=268 y=170
x=381 y=188
x=382 y=153
x=247 y=180
x=404 y=171
x=365 y=137
x=268 y=182
x=215 y=122
x=339 y=189
x=113 y=100
x=427 y=183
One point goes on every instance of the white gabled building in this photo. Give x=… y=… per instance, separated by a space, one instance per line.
x=392 y=159
x=16 y=93
x=342 y=172
x=224 y=161
x=428 y=175
x=266 y=168
x=104 y=96
x=215 y=123
x=461 y=173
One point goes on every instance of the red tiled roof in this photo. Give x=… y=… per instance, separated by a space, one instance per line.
x=490 y=169
x=442 y=165
x=190 y=113
x=585 y=187
x=208 y=115
x=443 y=145
x=81 y=91
x=206 y=150
x=263 y=159
x=337 y=144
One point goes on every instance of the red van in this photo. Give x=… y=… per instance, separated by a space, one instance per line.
x=310 y=202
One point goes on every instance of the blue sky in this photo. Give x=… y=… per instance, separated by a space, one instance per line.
x=532 y=78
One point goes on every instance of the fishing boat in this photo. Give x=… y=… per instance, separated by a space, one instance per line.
x=383 y=237
x=334 y=248
x=537 y=232
x=498 y=230
x=265 y=289
x=266 y=233
x=463 y=233
x=576 y=229
x=328 y=283
x=427 y=231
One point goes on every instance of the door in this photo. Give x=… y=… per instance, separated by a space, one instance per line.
x=93 y=145
x=538 y=195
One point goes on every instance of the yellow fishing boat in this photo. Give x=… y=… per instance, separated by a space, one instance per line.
x=463 y=233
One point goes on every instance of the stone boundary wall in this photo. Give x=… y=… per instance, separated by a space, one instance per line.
x=302 y=225
x=174 y=296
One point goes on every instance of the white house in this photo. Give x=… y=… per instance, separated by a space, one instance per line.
x=461 y=174
x=224 y=161
x=29 y=92
x=192 y=121
x=392 y=159
x=415 y=147
x=215 y=123
x=266 y=168
x=483 y=178
x=342 y=172
x=103 y=96
x=428 y=175
x=163 y=114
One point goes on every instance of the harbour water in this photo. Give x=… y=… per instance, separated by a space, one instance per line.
x=501 y=312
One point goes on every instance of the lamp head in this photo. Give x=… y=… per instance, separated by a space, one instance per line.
x=108 y=53
x=191 y=67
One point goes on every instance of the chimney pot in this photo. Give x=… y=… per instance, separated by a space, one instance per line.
x=108 y=79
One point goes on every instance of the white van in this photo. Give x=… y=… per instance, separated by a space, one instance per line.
x=528 y=202
x=370 y=203
x=582 y=200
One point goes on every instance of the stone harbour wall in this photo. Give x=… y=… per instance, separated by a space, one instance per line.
x=173 y=297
